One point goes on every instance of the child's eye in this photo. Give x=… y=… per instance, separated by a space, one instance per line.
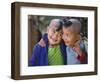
x=52 y=31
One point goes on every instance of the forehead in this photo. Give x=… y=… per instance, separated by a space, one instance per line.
x=55 y=28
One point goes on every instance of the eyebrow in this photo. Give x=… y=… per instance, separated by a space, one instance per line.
x=59 y=32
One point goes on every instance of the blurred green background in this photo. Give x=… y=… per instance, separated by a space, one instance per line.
x=41 y=23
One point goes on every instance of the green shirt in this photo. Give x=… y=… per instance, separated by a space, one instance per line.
x=55 y=56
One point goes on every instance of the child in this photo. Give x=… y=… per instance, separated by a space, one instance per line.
x=76 y=49
x=53 y=53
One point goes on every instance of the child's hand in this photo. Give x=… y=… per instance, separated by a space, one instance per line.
x=77 y=47
x=42 y=43
x=80 y=55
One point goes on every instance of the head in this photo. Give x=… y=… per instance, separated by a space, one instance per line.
x=54 y=31
x=71 y=31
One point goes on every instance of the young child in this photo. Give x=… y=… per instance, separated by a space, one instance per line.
x=53 y=53
x=75 y=47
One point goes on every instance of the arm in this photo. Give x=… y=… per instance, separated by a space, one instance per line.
x=43 y=41
x=80 y=53
x=34 y=59
x=81 y=57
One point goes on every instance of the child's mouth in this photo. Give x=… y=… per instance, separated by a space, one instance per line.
x=54 y=40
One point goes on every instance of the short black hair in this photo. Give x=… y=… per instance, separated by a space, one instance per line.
x=76 y=24
x=66 y=23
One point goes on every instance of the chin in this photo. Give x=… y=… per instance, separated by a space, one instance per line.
x=68 y=44
x=54 y=43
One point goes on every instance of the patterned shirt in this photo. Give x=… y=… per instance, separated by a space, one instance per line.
x=55 y=56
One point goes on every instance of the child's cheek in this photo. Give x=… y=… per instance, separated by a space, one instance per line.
x=65 y=41
x=50 y=34
x=59 y=40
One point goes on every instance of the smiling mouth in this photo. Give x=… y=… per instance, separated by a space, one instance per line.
x=54 y=40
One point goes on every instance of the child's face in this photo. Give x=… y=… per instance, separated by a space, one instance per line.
x=54 y=36
x=69 y=36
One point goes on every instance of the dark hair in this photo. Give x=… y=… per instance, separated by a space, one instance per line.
x=66 y=23
x=76 y=24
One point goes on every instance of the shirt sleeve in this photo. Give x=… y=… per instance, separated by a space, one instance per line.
x=34 y=58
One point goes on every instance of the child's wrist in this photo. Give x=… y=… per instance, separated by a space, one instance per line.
x=81 y=57
x=80 y=52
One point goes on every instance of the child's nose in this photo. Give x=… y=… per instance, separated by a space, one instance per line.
x=54 y=36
